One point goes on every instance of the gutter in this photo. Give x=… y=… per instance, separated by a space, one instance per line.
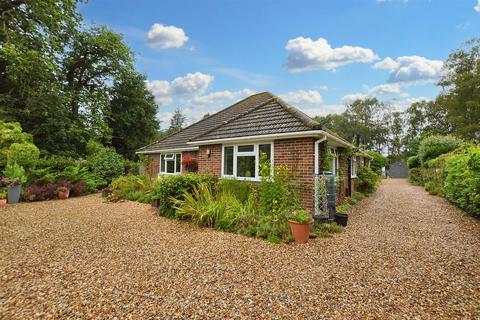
x=166 y=150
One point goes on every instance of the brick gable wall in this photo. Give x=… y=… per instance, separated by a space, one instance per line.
x=299 y=156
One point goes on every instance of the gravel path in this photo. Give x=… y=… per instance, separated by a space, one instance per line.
x=404 y=255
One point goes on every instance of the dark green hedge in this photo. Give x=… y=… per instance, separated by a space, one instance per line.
x=173 y=186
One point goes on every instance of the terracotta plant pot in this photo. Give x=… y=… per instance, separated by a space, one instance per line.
x=3 y=202
x=300 y=231
x=63 y=194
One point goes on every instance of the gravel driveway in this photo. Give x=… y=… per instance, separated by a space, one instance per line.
x=405 y=254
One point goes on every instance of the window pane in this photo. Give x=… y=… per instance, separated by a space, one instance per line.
x=246 y=167
x=169 y=156
x=179 y=162
x=266 y=148
x=248 y=148
x=162 y=163
x=170 y=166
x=228 y=161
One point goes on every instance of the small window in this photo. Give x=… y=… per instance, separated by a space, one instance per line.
x=171 y=163
x=334 y=161
x=228 y=161
x=353 y=167
x=247 y=148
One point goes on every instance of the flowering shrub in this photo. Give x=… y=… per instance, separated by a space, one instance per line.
x=190 y=163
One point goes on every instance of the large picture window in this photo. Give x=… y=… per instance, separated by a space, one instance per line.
x=171 y=163
x=242 y=161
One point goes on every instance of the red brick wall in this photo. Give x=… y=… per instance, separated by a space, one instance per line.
x=298 y=155
x=211 y=164
x=154 y=168
x=191 y=154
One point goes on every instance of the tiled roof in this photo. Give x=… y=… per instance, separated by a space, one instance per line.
x=273 y=117
x=259 y=114
x=179 y=139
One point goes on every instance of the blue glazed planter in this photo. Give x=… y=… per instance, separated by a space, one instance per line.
x=14 y=194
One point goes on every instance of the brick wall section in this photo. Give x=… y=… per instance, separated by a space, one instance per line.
x=298 y=155
x=191 y=154
x=211 y=164
x=154 y=166
x=342 y=188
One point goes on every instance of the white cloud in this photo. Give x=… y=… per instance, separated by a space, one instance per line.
x=403 y=104
x=191 y=84
x=324 y=110
x=477 y=7
x=305 y=54
x=411 y=69
x=349 y=98
x=164 y=37
x=301 y=97
x=161 y=90
x=219 y=98
x=385 y=88
x=387 y=63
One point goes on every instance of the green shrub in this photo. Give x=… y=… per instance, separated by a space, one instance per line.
x=434 y=173
x=25 y=154
x=299 y=216
x=240 y=189
x=343 y=209
x=413 y=162
x=378 y=161
x=55 y=163
x=15 y=173
x=81 y=173
x=106 y=164
x=170 y=187
x=131 y=187
x=415 y=176
x=10 y=133
x=462 y=182
x=367 y=180
x=433 y=146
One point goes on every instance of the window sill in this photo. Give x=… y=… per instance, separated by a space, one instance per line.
x=241 y=179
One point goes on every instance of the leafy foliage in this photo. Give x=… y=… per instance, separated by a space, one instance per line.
x=106 y=164
x=433 y=146
x=15 y=174
x=25 y=154
x=299 y=216
x=415 y=176
x=367 y=180
x=131 y=187
x=413 y=162
x=174 y=186
x=378 y=161
x=462 y=182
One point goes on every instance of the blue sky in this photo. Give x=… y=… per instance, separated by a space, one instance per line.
x=317 y=55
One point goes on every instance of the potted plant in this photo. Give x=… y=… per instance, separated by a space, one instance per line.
x=3 y=197
x=341 y=214
x=300 y=223
x=63 y=190
x=63 y=193
x=14 y=178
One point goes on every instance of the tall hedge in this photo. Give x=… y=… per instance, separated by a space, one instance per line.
x=462 y=182
x=433 y=146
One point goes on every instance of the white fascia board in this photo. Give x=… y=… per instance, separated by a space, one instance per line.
x=167 y=150
x=263 y=137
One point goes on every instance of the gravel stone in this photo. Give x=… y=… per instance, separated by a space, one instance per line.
x=405 y=254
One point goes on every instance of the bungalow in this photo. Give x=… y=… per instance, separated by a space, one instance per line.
x=229 y=142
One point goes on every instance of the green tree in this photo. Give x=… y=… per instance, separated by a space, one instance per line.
x=461 y=95
x=177 y=121
x=97 y=57
x=132 y=114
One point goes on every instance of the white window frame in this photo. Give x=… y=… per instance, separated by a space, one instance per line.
x=334 y=163
x=353 y=167
x=255 y=153
x=174 y=158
